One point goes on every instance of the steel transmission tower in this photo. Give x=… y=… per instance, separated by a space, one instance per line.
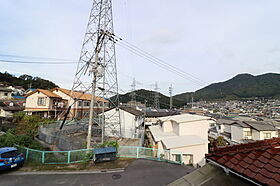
x=157 y=96
x=96 y=72
x=171 y=97
x=133 y=93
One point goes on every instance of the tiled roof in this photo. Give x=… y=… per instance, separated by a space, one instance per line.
x=259 y=161
x=46 y=92
x=79 y=95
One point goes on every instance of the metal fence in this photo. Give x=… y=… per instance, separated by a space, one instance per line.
x=75 y=156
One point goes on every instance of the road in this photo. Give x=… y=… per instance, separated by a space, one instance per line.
x=140 y=172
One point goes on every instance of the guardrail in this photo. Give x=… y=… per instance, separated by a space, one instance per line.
x=75 y=156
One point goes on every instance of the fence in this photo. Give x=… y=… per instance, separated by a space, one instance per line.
x=75 y=156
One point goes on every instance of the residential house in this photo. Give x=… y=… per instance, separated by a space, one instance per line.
x=185 y=135
x=44 y=103
x=235 y=131
x=131 y=122
x=79 y=101
x=9 y=107
x=55 y=102
x=5 y=93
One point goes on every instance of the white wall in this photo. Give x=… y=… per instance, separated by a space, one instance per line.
x=198 y=152
x=32 y=101
x=273 y=134
x=199 y=128
x=128 y=123
x=236 y=133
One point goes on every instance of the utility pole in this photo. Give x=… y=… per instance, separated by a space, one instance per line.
x=171 y=98
x=156 y=98
x=96 y=72
x=133 y=93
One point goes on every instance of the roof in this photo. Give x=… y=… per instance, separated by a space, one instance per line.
x=182 y=118
x=79 y=95
x=7 y=149
x=132 y=111
x=46 y=92
x=13 y=108
x=161 y=113
x=182 y=141
x=158 y=134
x=209 y=175
x=225 y=121
x=258 y=161
x=104 y=150
x=172 y=140
x=259 y=126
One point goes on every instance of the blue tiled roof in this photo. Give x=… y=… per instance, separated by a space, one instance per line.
x=105 y=150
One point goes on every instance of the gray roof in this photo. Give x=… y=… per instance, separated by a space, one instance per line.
x=225 y=121
x=210 y=175
x=259 y=126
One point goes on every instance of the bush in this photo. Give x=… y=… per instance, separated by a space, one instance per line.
x=109 y=144
x=10 y=139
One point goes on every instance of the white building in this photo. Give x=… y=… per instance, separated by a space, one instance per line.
x=131 y=122
x=235 y=131
x=186 y=136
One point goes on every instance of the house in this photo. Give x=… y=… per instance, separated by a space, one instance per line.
x=5 y=93
x=54 y=103
x=44 y=103
x=236 y=132
x=131 y=122
x=9 y=107
x=186 y=135
x=257 y=162
x=79 y=109
x=252 y=130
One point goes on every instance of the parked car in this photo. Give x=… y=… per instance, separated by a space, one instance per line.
x=10 y=158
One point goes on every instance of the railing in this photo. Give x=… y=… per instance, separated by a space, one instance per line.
x=75 y=156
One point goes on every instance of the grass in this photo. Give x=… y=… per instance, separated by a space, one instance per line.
x=83 y=166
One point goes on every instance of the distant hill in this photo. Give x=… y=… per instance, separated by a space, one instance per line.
x=240 y=86
x=26 y=81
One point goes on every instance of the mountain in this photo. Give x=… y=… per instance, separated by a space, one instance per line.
x=240 y=86
x=26 y=81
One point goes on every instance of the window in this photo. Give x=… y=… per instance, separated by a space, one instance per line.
x=41 y=101
x=178 y=157
x=86 y=103
x=80 y=103
x=247 y=134
x=266 y=135
x=188 y=159
x=5 y=94
x=10 y=154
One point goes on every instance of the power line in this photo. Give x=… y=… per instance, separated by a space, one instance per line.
x=37 y=62
x=36 y=57
x=135 y=49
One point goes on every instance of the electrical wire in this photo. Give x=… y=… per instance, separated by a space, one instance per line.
x=37 y=62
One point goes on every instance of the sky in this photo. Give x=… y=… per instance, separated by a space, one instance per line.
x=210 y=40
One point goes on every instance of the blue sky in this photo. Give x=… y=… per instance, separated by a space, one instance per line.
x=212 y=40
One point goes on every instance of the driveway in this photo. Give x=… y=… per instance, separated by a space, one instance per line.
x=140 y=172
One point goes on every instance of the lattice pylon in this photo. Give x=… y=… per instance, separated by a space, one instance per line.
x=96 y=71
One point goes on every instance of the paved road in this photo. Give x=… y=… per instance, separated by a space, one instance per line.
x=140 y=172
